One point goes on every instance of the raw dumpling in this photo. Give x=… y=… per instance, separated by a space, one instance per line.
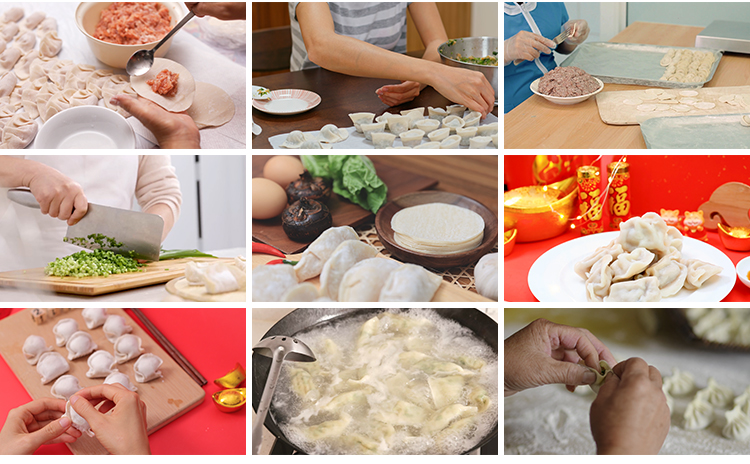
x=743 y=401
x=332 y=134
x=34 y=19
x=127 y=347
x=453 y=122
x=472 y=119
x=221 y=278
x=670 y=272
x=458 y=110
x=19 y=131
x=101 y=363
x=314 y=257
x=369 y=129
x=63 y=330
x=194 y=272
x=94 y=317
x=680 y=383
x=601 y=375
x=241 y=262
x=479 y=142
x=115 y=326
x=22 y=69
x=443 y=418
x=33 y=348
x=641 y=290
x=54 y=105
x=51 y=365
x=718 y=395
x=428 y=146
x=365 y=280
x=582 y=268
x=738 y=425
x=398 y=124
x=13 y=15
x=26 y=42
x=486 y=276
x=96 y=80
x=49 y=24
x=79 y=423
x=439 y=135
x=411 y=283
x=147 y=367
x=412 y=138
x=699 y=414
x=361 y=118
x=698 y=272
x=629 y=264
x=599 y=279
x=427 y=125
x=271 y=282
x=80 y=344
x=29 y=96
x=65 y=387
x=450 y=143
x=466 y=133
x=347 y=254
x=7 y=84
x=8 y=31
x=487 y=130
x=120 y=378
x=437 y=113
x=50 y=45
x=304 y=292
x=382 y=140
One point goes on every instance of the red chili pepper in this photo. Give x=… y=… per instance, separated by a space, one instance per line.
x=282 y=261
x=267 y=249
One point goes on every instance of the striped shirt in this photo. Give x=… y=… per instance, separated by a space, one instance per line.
x=380 y=24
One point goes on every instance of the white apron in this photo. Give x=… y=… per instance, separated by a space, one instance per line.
x=29 y=239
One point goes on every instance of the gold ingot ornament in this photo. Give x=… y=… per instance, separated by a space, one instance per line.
x=230 y=400
x=233 y=378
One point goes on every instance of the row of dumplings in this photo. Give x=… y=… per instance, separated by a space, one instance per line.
x=348 y=270
x=218 y=277
x=700 y=412
x=721 y=325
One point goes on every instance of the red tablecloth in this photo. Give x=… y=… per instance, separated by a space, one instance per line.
x=518 y=263
x=212 y=340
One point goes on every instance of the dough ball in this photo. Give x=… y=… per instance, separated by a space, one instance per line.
x=212 y=106
x=185 y=86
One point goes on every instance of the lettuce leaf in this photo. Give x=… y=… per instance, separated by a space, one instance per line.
x=354 y=178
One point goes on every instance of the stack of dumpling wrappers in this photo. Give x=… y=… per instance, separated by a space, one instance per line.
x=438 y=229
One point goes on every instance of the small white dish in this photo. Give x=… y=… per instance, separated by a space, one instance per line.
x=86 y=127
x=256 y=93
x=288 y=102
x=565 y=100
x=743 y=267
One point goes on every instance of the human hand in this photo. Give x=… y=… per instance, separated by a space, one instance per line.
x=57 y=194
x=394 y=95
x=544 y=353
x=172 y=130
x=34 y=424
x=124 y=429
x=630 y=413
x=465 y=87
x=219 y=10
x=526 y=46
x=580 y=31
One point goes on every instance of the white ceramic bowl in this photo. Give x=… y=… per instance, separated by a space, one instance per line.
x=743 y=267
x=85 y=127
x=565 y=100
x=87 y=17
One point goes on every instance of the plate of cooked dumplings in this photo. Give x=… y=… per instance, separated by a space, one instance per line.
x=647 y=261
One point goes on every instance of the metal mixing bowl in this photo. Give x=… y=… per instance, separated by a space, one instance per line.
x=471 y=46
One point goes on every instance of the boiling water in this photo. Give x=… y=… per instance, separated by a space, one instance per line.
x=349 y=361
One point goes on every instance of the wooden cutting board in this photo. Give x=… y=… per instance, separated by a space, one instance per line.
x=343 y=212
x=613 y=110
x=445 y=293
x=166 y=399
x=153 y=273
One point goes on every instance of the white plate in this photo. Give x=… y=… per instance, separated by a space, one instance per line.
x=257 y=95
x=743 y=267
x=86 y=127
x=552 y=278
x=288 y=101
x=565 y=100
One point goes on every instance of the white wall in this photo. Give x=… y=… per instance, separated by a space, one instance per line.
x=688 y=13
x=484 y=19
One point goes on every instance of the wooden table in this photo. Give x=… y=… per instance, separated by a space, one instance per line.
x=340 y=94
x=537 y=123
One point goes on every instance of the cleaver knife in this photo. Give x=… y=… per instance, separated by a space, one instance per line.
x=138 y=232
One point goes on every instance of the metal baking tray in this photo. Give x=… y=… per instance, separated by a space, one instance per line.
x=706 y=131
x=628 y=63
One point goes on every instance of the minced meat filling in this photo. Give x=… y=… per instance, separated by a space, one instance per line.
x=164 y=83
x=567 y=81
x=131 y=23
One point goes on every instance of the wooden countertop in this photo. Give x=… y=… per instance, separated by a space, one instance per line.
x=537 y=123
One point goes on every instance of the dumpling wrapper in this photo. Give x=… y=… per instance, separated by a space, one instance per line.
x=79 y=423
x=185 y=95
x=212 y=106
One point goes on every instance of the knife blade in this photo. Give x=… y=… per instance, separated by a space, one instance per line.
x=138 y=232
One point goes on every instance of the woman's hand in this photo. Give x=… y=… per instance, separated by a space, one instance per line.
x=465 y=87
x=172 y=130
x=630 y=413
x=34 y=424
x=219 y=10
x=526 y=46
x=394 y=95
x=544 y=353
x=124 y=429
x=58 y=195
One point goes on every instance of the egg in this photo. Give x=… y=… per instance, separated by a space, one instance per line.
x=283 y=169
x=269 y=199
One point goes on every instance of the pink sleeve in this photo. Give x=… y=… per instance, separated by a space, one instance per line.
x=158 y=183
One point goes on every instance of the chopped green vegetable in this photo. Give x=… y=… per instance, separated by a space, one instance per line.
x=354 y=178
x=177 y=254
x=95 y=263
x=451 y=42
x=94 y=239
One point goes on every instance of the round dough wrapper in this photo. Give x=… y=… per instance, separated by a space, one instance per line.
x=633 y=101
x=646 y=108
x=705 y=105
x=212 y=106
x=688 y=101
x=681 y=108
x=745 y=120
x=654 y=91
x=688 y=93
x=185 y=86
x=438 y=224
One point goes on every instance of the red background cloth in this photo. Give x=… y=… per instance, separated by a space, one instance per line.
x=681 y=182
x=212 y=340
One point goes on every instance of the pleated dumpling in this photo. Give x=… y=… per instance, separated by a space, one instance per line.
x=670 y=272
x=347 y=254
x=411 y=283
x=648 y=231
x=270 y=283
x=314 y=257
x=101 y=364
x=146 y=368
x=22 y=69
x=127 y=347
x=641 y=290
x=599 y=279
x=8 y=59
x=19 y=131
x=680 y=382
x=443 y=418
x=332 y=134
x=50 y=45
x=94 y=317
x=626 y=265
x=13 y=15
x=698 y=272
x=365 y=280
x=7 y=84
x=716 y=394
x=33 y=348
x=79 y=423
x=63 y=330
x=699 y=414
x=26 y=42
x=29 y=96
x=65 y=386
x=49 y=24
x=80 y=344
x=34 y=19
x=221 y=278
x=51 y=365
x=738 y=425
x=115 y=326
x=7 y=32
x=583 y=267
x=56 y=103
x=120 y=378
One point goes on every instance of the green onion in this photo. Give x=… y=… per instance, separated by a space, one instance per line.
x=88 y=264
x=177 y=254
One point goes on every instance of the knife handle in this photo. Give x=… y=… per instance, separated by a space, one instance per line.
x=23 y=197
